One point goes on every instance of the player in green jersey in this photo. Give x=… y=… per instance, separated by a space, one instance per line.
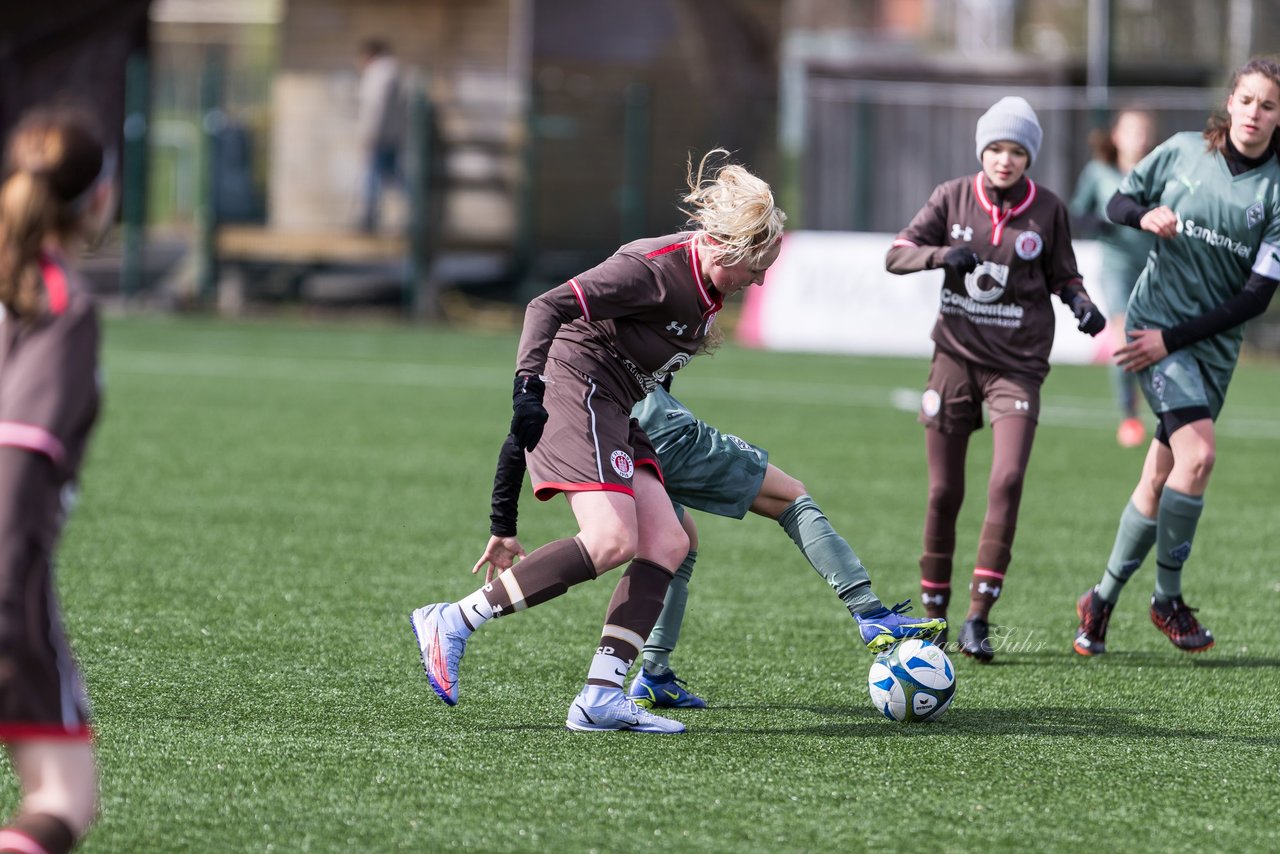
x=1213 y=202
x=1124 y=250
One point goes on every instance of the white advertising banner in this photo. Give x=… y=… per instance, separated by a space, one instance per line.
x=829 y=292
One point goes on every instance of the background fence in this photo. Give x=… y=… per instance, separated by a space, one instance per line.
x=874 y=150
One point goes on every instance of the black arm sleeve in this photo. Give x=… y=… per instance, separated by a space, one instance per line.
x=1249 y=303
x=506 y=489
x=1125 y=210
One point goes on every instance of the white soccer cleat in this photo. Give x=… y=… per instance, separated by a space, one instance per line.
x=599 y=709
x=441 y=649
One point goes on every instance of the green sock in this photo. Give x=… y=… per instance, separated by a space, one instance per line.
x=1176 y=528
x=1134 y=539
x=666 y=632
x=830 y=554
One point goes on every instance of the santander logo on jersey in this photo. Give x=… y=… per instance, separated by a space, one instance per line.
x=1211 y=236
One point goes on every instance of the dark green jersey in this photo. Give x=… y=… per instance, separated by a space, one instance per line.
x=1228 y=226
x=1124 y=249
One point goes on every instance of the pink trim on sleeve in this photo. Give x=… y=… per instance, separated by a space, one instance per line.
x=902 y=241
x=15 y=434
x=582 y=297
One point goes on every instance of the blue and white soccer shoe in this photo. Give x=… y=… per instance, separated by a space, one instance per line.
x=884 y=627
x=440 y=647
x=662 y=692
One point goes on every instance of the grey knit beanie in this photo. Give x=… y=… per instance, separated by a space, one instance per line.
x=1013 y=120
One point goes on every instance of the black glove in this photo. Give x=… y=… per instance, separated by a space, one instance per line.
x=529 y=415
x=1091 y=319
x=960 y=259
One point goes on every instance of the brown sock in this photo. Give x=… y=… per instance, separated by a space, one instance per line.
x=545 y=574
x=995 y=545
x=36 y=832
x=935 y=583
x=633 y=611
x=984 y=590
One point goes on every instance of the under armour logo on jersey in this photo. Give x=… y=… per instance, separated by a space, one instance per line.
x=961 y=232
x=993 y=589
x=677 y=328
x=1023 y=405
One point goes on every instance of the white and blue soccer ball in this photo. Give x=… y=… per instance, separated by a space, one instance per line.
x=914 y=681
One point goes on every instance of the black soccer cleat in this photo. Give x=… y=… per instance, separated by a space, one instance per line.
x=1095 y=614
x=975 y=640
x=1180 y=625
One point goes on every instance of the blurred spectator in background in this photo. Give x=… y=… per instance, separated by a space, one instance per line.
x=1124 y=250
x=380 y=122
x=59 y=188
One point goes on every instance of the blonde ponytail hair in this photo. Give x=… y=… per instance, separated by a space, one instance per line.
x=54 y=158
x=733 y=208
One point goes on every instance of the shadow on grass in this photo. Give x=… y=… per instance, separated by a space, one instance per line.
x=960 y=722
x=1176 y=659
x=1171 y=658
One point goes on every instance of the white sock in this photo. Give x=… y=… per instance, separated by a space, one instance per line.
x=608 y=668
x=474 y=609
x=598 y=695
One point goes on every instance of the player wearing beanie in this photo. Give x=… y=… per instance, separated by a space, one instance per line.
x=1004 y=246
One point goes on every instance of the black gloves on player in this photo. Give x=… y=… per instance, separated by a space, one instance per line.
x=1091 y=319
x=529 y=415
x=962 y=260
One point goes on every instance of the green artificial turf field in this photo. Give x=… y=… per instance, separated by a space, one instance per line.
x=266 y=502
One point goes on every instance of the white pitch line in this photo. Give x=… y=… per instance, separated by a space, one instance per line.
x=1254 y=422
x=1260 y=423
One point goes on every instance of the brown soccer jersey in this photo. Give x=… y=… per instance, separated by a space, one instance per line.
x=48 y=404
x=999 y=315
x=628 y=322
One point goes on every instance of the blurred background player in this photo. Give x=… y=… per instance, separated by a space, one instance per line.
x=1213 y=202
x=592 y=348
x=58 y=189
x=715 y=472
x=1004 y=245
x=1124 y=250
x=380 y=122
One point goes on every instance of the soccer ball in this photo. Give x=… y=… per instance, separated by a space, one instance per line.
x=914 y=681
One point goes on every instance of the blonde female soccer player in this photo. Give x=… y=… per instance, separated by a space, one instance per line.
x=590 y=350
